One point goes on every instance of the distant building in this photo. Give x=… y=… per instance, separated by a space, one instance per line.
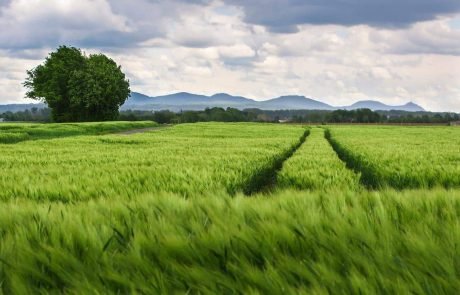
x=455 y=123
x=284 y=121
x=2 y=120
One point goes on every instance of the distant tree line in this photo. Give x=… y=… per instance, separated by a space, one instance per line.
x=294 y=116
x=419 y=117
x=256 y=115
x=207 y=115
x=32 y=115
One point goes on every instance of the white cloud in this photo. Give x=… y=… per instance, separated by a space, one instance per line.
x=433 y=37
x=380 y=73
x=236 y=51
x=168 y=46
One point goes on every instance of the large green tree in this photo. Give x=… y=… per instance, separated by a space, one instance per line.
x=78 y=87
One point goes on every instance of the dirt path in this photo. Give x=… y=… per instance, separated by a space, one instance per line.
x=142 y=130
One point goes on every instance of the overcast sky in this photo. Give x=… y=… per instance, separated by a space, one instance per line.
x=337 y=51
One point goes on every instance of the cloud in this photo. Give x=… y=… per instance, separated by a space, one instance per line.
x=88 y=23
x=337 y=51
x=285 y=15
x=12 y=74
x=35 y=24
x=236 y=51
x=4 y=2
x=434 y=37
x=304 y=42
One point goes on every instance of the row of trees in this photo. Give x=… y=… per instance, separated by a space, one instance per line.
x=295 y=116
x=208 y=115
x=368 y=116
x=256 y=115
x=32 y=115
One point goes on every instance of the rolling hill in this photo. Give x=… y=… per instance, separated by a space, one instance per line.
x=188 y=101
x=376 y=105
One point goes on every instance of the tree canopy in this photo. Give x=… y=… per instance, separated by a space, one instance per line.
x=78 y=87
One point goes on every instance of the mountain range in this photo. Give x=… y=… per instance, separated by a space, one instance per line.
x=188 y=101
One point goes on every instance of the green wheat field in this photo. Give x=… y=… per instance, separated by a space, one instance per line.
x=229 y=208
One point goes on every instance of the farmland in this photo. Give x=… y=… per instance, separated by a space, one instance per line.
x=403 y=157
x=188 y=159
x=231 y=208
x=13 y=133
x=316 y=166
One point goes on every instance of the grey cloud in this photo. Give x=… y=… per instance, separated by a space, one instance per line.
x=100 y=23
x=108 y=39
x=238 y=62
x=152 y=19
x=33 y=54
x=424 y=47
x=196 y=42
x=47 y=24
x=284 y=15
x=4 y=3
x=40 y=40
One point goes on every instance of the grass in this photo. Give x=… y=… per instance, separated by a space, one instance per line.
x=401 y=157
x=168 y=211
x=17 y=132
x=316 y=166
x=291 y=242
x=185 y=159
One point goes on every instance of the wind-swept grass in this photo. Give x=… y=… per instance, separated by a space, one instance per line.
x=13 y=137
x=265 y=179
x=186 y=159
x=293 y=242
x=316 y=166
x=17 y=132
x=401 y=157
x=164 y=212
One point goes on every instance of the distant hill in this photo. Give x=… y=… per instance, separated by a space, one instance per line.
x=188 y=101
x=20 y=107
x=376 y=105
x=139 y=98
x=294 y=102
